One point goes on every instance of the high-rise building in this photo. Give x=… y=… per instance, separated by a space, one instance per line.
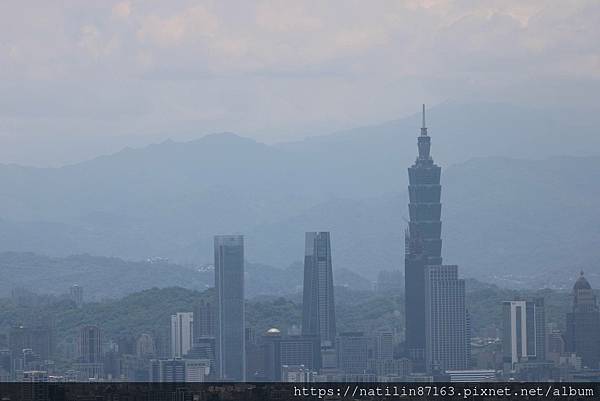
x=38 y=338
x=144 y=347
x=89 y=349
x=90 y=344
x=352 y=352
x=583 y=324
x=318 y=304
x=6 y=365
x=229 y=285
x=523 y=332
x=204 y=348
x=204 y=319
x=172 y=370
x=446 y=345
x=182 y=326
x=423 y=245
x=76 y=295
x=289 y=350
x=383 y=346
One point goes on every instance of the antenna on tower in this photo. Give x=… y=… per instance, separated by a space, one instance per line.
x=423 y=128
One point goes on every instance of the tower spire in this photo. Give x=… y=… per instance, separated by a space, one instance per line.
x=423 y=127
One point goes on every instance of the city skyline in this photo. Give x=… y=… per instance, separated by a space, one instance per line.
x=203 y=199
x=215 y=342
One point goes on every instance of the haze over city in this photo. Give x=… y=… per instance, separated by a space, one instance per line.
x=80 y=79
x=306 y=191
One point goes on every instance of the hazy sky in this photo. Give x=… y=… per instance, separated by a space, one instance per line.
x=81 y=78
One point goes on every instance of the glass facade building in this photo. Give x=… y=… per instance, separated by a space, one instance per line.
x=229 y=285
x=318 y=307
x=423 y=243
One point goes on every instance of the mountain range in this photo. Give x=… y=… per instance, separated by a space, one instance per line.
x=520 y=196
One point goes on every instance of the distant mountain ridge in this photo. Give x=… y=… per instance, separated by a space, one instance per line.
x=499 y=214
x=103 y=277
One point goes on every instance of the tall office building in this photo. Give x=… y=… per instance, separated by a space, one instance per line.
x=90 y=357
x=76 y=295
x=6 y=365
x=446 y=345
x=90 y=344
x=38 y=338
x=583 y=324
x=383 y=346
x=182 y=333
x=204 y=319
x=318 y=305
x=144 y=347
x=423 y=243
x=290 y=350
x=352 y=352
x=229 y=285
x=204 y=348
x=523 y=331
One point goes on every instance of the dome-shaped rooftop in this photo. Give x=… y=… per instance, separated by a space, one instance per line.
x=582 y=284
x=273 y=332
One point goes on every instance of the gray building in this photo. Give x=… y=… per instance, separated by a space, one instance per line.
x=38 y=338
x=583 y=324
x=523 y=332
x=294 y=350
x=423 y=243
x=90 y=344
x=353 y=352
x=446 y=341
x=90 y=357
x=171 y=371
x=318 y=308
x=76 y=295
x=229 y=286
x=204 y=319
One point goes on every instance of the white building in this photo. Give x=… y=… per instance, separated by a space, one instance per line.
x=182 y=326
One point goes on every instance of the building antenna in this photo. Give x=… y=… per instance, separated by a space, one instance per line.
x=424 y=127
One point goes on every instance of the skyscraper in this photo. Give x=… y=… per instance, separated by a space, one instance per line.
x=182 y=326
x=583 y=324
x=229 y=285
x=523 y=331
x=352 y=352
x=446 y=346
x=204 y=319
x=90 y=344
x=76 y=295
x=144 y=346
x=39 y=338
x=423 y=243
x=318 y=305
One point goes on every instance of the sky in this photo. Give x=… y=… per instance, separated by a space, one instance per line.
x=84 y=78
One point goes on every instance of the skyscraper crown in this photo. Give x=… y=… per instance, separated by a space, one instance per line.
x=424 y=142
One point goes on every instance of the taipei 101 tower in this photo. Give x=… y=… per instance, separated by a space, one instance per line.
x=423 y=243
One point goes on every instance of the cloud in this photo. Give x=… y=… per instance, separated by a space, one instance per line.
x=193 y=24
x=121 y=10
x=272 y=69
